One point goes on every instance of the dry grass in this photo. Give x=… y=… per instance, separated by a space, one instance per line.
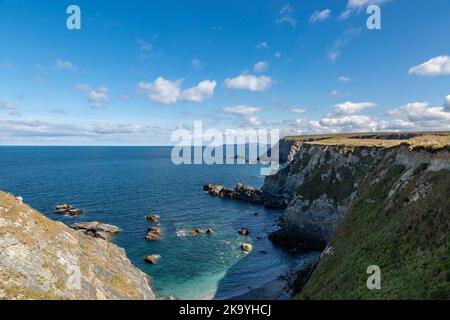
x=415 y=140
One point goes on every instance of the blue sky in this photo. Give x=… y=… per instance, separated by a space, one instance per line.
x=139 y=69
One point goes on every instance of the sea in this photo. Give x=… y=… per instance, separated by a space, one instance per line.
x=121 y=185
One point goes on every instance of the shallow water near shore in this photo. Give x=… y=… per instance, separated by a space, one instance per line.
x=120 y=185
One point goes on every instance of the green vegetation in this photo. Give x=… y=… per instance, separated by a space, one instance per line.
x=406 y=236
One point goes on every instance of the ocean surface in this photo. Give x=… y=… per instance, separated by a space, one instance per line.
x=121 y=185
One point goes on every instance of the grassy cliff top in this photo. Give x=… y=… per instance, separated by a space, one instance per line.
x=415 y=140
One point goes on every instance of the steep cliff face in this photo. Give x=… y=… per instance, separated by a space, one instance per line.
x=316 y=188
x=383 y=203
x=320 y=182
x=399 y=222
x=44 y=259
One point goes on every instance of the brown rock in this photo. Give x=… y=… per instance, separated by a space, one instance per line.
x=243 y=232
x=96 y=229
x=153 y=233
x=153 y=259
x=196 y=231
x=247 y=247
x=63 y=207
x=153 y=217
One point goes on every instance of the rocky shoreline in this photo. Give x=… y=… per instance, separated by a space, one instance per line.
x=44 y=259
x=320 y=183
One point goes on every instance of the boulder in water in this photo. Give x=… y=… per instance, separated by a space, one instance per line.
x=152 y=217
x=241 y=192
x=153 y=259
x=153 y=234
x=243 y=232
x=247 y=247
x=196 y=231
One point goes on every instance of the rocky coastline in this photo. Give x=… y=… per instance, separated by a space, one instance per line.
x=44 y=259
x=321 y=182
x=332 y=193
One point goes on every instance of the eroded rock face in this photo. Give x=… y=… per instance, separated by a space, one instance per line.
x=96 y=229
x=316 y=188
x=241 y=192
x=44 y=259
x=319 y=185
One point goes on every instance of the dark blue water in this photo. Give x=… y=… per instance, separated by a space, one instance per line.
x=120 y=185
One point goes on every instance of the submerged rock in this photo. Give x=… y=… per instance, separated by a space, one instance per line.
x=59 y=263
x=96 y=229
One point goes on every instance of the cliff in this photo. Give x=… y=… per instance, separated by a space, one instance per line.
x=380 y=199
x=44 y=259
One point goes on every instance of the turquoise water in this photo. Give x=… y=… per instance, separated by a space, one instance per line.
x=120 y=185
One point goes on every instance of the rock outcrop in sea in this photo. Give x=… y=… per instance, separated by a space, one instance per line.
x=44 y=259
x=241 y=192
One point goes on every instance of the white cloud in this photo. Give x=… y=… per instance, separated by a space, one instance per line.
x=319 y=16
x=285 y=16
x=286 y=9
x=7 y=106
x=36 y=128
x=437 y=66
x=242 y=110
x=298 y=110
x=289 y=20
x=335 y=50
x=397 y=124
x=344 y=79
x=348 y=107
x=96 y=97
x=169 y=92
x=254 y=121
x=249 y=82
x=161 y=90
x=260 y=67
x=203 y=90
x=247 y=112
x=357 y=6
x=420 y=112
x=262 y=45
x=447 y=103
x=351 y=122
x=64 y=65
x=277 y=54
